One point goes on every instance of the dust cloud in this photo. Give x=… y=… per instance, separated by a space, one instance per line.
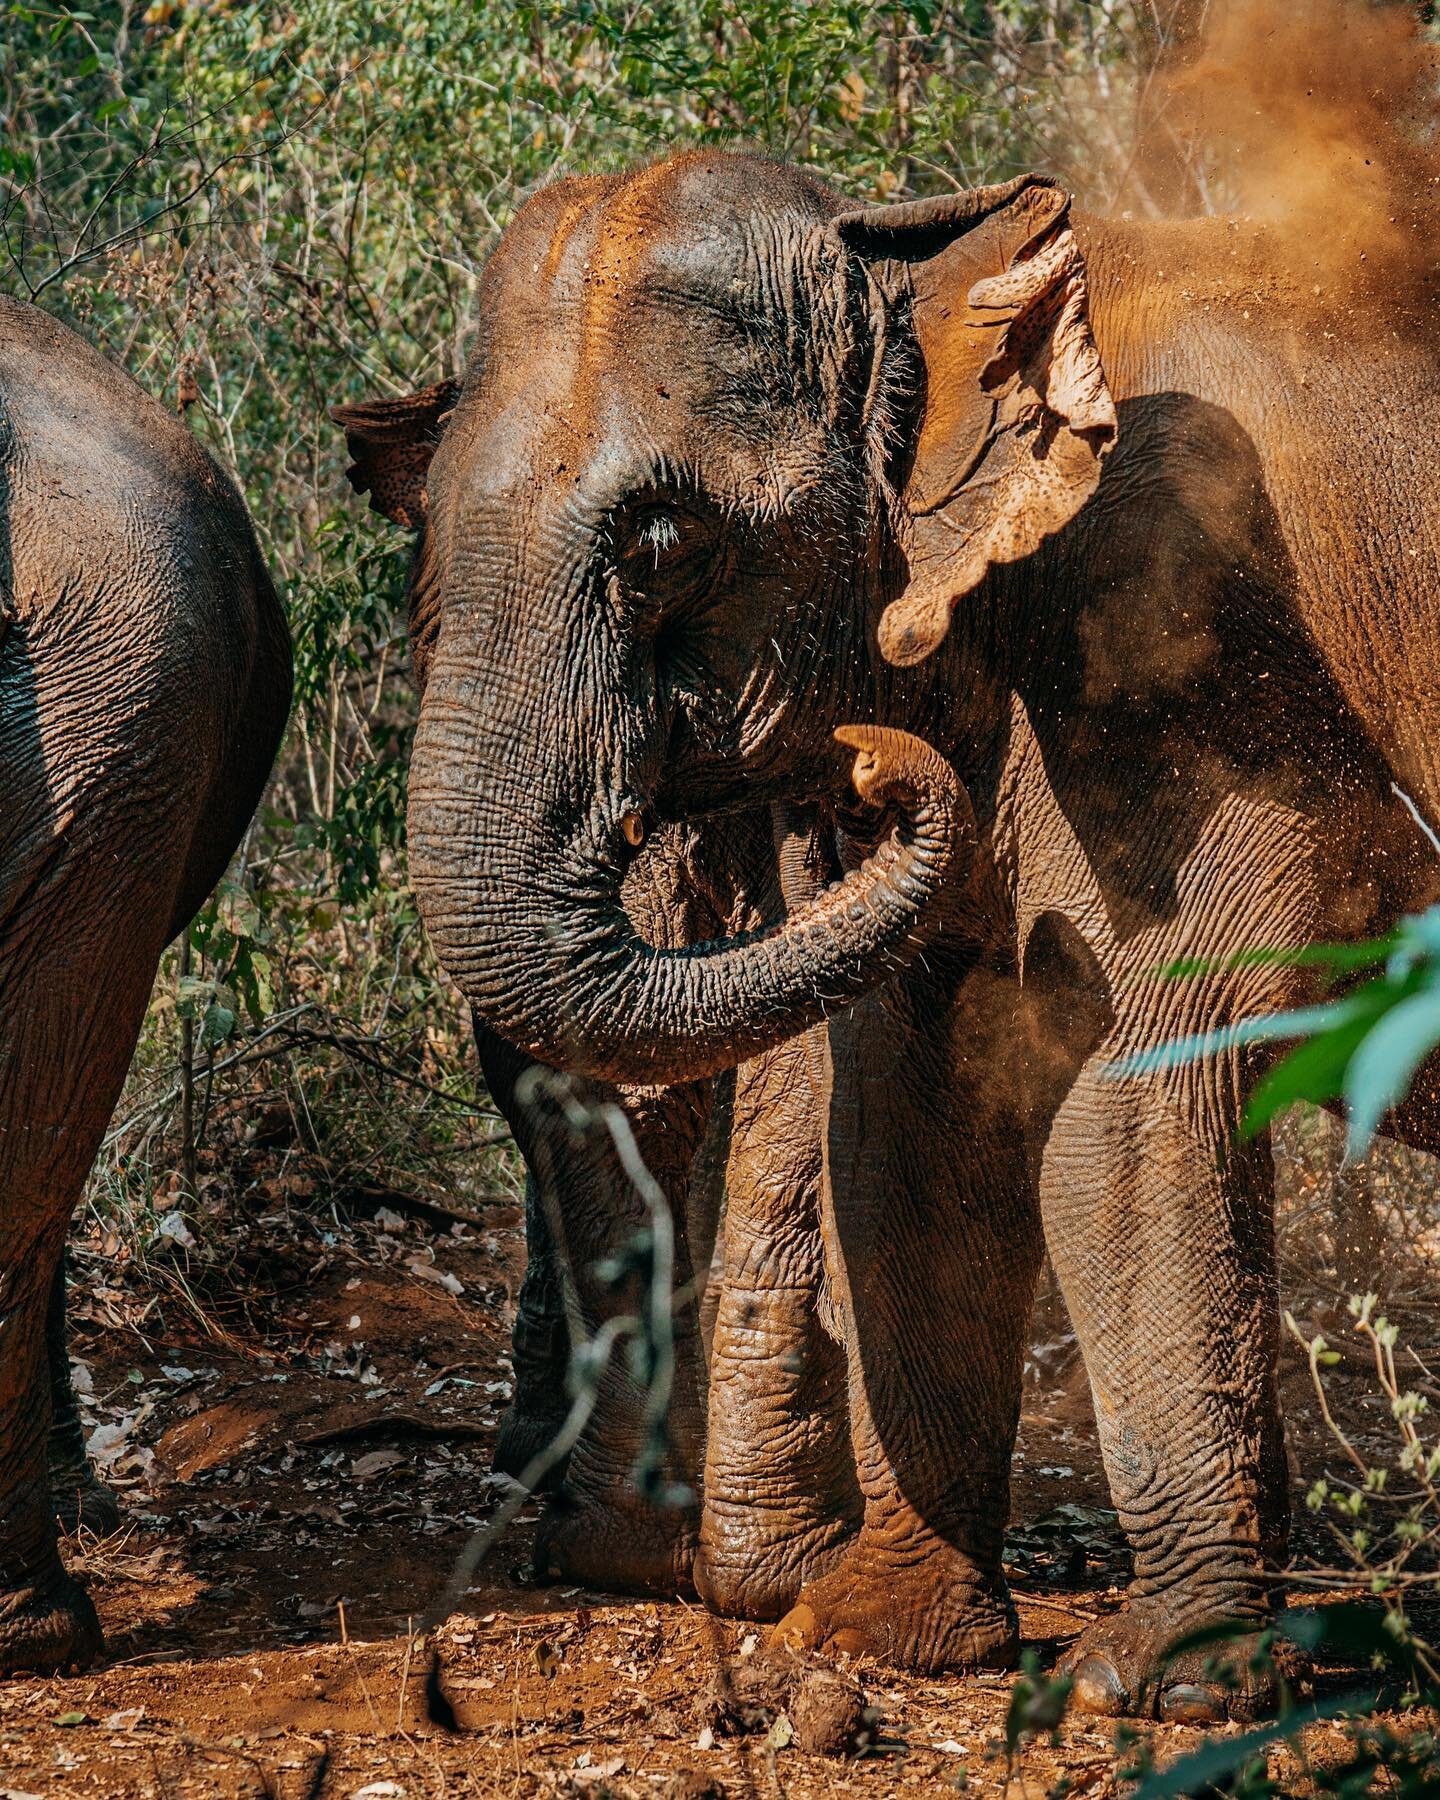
x=1317 y=118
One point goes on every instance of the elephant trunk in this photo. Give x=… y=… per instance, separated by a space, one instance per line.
x=542 y=947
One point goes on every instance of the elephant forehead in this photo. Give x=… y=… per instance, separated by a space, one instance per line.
x=618 y=322
x=607 y=275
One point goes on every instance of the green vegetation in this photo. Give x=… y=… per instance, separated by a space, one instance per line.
x=1363 y=1047
x=264 y=210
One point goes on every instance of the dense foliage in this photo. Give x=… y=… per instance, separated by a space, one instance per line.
x=264 y=210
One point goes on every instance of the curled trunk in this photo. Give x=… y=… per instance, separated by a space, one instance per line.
x=570 y=980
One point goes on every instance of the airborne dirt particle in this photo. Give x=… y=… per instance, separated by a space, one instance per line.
x=1315 y=117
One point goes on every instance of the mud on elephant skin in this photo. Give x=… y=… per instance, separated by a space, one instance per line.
x=144 y=683
x=744 y=1147
x=736 y=465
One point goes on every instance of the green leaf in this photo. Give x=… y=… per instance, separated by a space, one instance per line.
x=1347 y=1631
x=1317 y=1070
x=1341 y=958
x=1314 y=1072
x=219 y=1021
x=1268 y=1028
x=1384 y=1064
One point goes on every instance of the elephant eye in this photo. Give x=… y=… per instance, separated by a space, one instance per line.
x=667 y=557
x=659 y=533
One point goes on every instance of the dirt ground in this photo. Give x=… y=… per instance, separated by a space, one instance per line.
x=303 y=1461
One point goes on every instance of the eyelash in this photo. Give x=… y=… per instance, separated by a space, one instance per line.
x=659 y=533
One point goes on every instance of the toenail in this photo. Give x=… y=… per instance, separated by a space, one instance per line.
x=1192 y=1703
x=796 y=1630
x=1098 y=1687
x=846 y=1642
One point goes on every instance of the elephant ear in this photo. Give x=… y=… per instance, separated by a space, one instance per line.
x=392 y=442
x=1018 y=417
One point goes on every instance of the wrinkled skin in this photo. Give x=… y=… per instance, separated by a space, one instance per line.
x=733 y=467
x=747 y=1143
x=144 y=683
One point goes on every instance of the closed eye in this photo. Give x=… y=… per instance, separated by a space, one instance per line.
x=667 y=556
x=654 y=538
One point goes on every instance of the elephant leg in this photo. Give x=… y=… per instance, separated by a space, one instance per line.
x=936 y=1250
x=46 y=1620
x=780 y=1493
x=80 y=1498
x=601 y=1529
x=75 y=1018
x=1160 y=1227
x=540 y=1352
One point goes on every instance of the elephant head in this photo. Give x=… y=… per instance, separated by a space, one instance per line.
x=703 y=467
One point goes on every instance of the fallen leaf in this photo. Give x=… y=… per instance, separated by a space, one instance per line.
x=374 y=1463
x=106 y=1442
x=428 y=1272
x=72 y=1718
x=173 y=1226
x=781 y=1734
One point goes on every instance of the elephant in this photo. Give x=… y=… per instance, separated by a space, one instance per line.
x=144 y=685
x=1062 y=573
x=582 y=1208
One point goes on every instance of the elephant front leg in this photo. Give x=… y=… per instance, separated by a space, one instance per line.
x=780 y=1492
x=936 y=1248
x=1159 y=1225
x=618 y=1519
x=540 y=1350
x=46 y=1619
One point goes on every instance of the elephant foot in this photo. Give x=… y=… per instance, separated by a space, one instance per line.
x=940 y=1612
x=759 y=1574
x=1120 y=1668
x=48 y=1628
x=621 y=1546
x=82 y=1502
x=522 y=1437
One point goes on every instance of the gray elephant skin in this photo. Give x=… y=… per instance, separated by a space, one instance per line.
x=1088 y=540
x=144 y=684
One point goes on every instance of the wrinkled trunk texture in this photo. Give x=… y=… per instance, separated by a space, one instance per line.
x=517 y=857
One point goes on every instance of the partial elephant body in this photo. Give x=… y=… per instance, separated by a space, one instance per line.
x=144 y=682
x=1102 y=515
x=1325 y=402
x=739 y=1154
